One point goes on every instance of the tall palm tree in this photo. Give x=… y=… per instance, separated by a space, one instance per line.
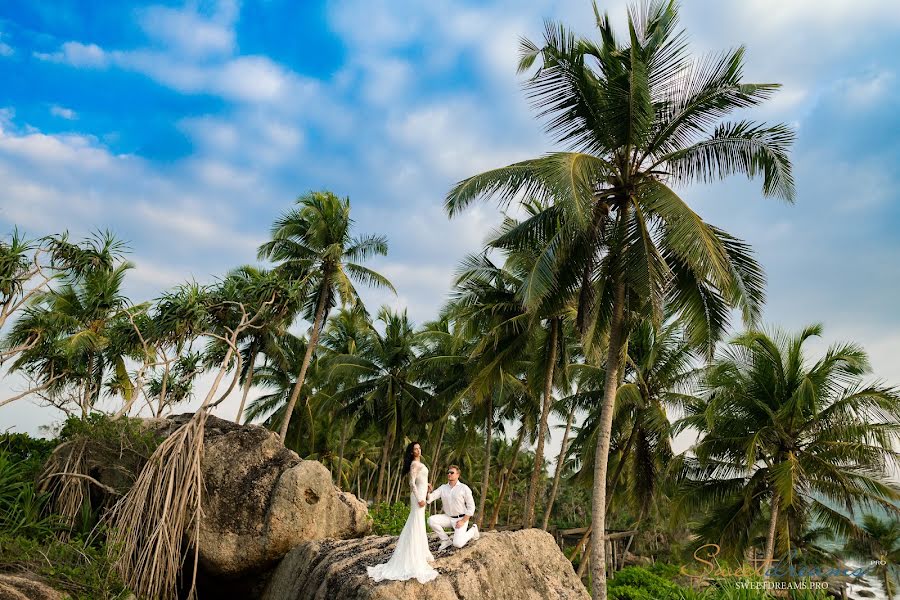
x=387 y=393
x=487 y=307
x=801 y=437
x=313 y=243
x=349 y=332
x=638 y=117
x=879 y=543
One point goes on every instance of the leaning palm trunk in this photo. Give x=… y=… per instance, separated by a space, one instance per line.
x=508 y=477
x=542 y=431
x=601 y=458
x=307 y=358
x=247 y=383
x=558 y=472
x=770 y=539
x=486 y=473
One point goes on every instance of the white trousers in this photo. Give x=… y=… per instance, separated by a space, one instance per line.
x=461 y=535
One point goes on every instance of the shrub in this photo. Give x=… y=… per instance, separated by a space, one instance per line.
x=627 y=592
x=644 y=581
x=77 y=567
x=389 y=519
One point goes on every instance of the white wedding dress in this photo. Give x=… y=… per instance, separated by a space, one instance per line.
x=412 y=555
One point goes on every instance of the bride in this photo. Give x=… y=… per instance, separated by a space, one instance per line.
x=412 y=555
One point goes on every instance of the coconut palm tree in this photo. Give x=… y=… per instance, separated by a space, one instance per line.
x=637 y=116
x=879 y=543
x=312 y=243
x=387 y=393
x=796 y=436
x=73 y=325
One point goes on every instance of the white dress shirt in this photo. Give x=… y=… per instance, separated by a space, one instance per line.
x=456 y=500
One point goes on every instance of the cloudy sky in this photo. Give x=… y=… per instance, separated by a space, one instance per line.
x=187 y=128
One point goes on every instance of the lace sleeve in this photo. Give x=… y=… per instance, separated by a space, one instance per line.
x=413 y=476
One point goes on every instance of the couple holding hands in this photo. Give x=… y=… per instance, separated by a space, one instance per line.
x=412 y=556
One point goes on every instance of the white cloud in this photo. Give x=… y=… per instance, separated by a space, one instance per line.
x=63 y=112
x=186 y=31
x=5 y=49
x=77 y=54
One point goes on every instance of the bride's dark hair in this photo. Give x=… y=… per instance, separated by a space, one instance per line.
x=408 y=457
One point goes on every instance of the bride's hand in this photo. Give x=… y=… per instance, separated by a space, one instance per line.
x=421 y=503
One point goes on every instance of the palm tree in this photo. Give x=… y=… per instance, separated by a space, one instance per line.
x=312 y=243
x=387 y=393
x=879 y=543
x=799 y=437
x=487 y=307
x=74 y=327
x=638 y=117
x=348 y=332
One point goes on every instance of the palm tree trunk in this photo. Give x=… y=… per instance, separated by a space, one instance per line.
x=385 y=452
x=508 y=477
x=611 y=488
x=531 y=499
x=344 y=429
x=486 y=473
x=558 y=473
x=307 y=358
x=770 y=540
x=601 y=458
x=163 y=389
x=437 y=451
x=247 y=383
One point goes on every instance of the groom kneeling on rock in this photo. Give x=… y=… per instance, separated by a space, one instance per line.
x=458 y=505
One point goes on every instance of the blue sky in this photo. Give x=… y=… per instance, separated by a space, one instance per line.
x=187 y=128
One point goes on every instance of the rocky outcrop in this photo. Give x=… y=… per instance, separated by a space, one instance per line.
x=520 y=565
x=261 y=499
x=26 y=587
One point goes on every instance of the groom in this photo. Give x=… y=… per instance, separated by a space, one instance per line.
x=458 y=505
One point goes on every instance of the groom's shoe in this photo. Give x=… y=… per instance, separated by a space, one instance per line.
x=445 y=544
x=477 y=533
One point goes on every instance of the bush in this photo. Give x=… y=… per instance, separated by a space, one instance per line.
x=644 y=581
x=76 y=567
x=27 y=452
x=22 y=509
x=665 y=570
x=627 y=592
x=389 y=519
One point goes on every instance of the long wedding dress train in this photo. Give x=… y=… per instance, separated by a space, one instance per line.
x=412 y=555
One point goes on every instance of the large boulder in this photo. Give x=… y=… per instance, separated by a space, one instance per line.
x=520 y=565
x=261 y=499
x=24 y=586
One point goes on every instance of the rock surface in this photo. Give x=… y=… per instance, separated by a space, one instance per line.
x=261 y=499
x=520 y=565
x=24 y=587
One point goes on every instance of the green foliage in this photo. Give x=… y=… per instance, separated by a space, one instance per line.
x=389 y=519
x=78 y=567
x=28 y=452
x=637 y=583
x=103 y=429
x=627 y=592
x=665 y=570
x=21 y=508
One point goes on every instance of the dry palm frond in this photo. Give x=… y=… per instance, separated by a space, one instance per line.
x=65 y=477
x=163 y=503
